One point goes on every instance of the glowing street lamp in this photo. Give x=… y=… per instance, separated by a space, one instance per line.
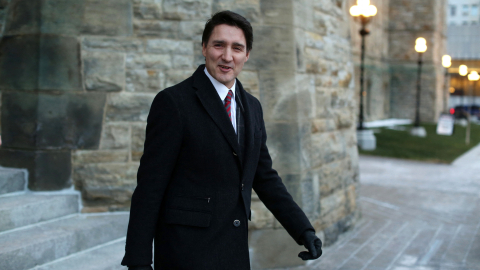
x=420 y=47
x=446 y=63
x=463 y=70
x=472 y=77
x=365 y=12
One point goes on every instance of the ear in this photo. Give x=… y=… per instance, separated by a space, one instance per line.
x=204 y=50
x=248 y=55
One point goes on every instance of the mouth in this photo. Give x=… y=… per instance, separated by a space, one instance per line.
x=225 y=68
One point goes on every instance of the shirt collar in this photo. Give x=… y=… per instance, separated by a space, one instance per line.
x=222 y=90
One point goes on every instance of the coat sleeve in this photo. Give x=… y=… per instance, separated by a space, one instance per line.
x=273 y=193
x=162 y=144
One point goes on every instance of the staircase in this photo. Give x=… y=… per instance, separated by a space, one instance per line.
x=45 y=230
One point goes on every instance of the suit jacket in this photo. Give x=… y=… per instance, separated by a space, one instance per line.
x=194 y=189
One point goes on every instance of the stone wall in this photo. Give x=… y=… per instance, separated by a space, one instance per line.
x=76 y=101
x=408 y=21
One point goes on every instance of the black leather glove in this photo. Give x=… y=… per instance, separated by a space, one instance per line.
x=312 y=243
x=140 y=267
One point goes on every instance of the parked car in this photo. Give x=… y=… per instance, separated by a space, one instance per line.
x=461 y=111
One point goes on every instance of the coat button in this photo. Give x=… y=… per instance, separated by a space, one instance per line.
x=235 y=154
x=242 y=186
x=236 y=223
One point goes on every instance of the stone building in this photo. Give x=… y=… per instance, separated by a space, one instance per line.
x=391 y=60
x=77 y=79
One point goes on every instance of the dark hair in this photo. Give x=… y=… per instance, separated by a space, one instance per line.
x=229 y=18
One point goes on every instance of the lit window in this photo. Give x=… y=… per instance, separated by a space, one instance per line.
x=474 y=11
x=453 y=10
x=465 y=10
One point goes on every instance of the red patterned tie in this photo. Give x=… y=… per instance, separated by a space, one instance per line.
x=228 y=102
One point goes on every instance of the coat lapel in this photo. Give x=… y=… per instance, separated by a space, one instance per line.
x=249 y=129
x=214 y=106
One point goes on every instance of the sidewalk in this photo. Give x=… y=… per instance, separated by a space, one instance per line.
x=416 y=216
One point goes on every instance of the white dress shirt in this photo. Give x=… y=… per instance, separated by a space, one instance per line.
x=222 y=92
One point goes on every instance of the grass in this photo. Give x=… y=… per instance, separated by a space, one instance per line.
x=433 y=148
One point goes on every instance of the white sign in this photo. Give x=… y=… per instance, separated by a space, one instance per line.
x=445 y=124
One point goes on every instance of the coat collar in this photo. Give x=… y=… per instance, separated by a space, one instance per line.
x=213 y=105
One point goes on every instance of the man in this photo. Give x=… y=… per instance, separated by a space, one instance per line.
x=205 y=149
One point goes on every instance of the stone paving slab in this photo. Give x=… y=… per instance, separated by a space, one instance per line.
x=415 y=216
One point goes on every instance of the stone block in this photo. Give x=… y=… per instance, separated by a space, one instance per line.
x=47 y=170
x=112 y=44
x=191 y=31
x=106 y=182
x=327 y=147
x=336 y=200
x=250 y=9
x=129 y=107
x=332 y=176
x=323 y=125
x=51 y=120
x=167 y=46
x=99 y=156
x=104 y=71
x=23 y=18
x=250 y=82
x=138 y=140
x=175 y=76
x=59 y=67
x=143 y=80
x=148 y=10
x=108 y=18
x=62 y=17
x=19 y=60
x=284 y=146
x=12 y=180
x=278 y=97
x=182 y=61
x=276 y=12
x=272 y=49
x=149 y=61
x=273 y=248
x=115 y=136
x=344 y=118
x=36 y=62
x=161 y=29
x=187 y=9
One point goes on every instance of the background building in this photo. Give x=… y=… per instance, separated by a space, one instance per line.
x=463 y=12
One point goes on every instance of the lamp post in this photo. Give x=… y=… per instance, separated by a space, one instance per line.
x=420 y=47
x=472 y=77
x=463 y=71
x=364 y=12
x=446 y=63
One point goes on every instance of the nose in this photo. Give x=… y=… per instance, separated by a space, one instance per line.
x=227 y=55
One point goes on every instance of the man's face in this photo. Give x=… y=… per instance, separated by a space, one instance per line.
x=225 y=53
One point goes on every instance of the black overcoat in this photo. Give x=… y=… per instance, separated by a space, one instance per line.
x=192 y=185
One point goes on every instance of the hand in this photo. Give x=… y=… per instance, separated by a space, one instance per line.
x=140 y=267
x=313 y=244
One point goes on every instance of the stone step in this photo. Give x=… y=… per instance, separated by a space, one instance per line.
x=45 y=242
x=29 y=208
x=12 y=180
x=104 y=257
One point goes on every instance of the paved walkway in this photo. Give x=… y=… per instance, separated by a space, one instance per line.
x=416 y=216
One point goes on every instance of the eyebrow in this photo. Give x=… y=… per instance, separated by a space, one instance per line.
x=223 y=42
